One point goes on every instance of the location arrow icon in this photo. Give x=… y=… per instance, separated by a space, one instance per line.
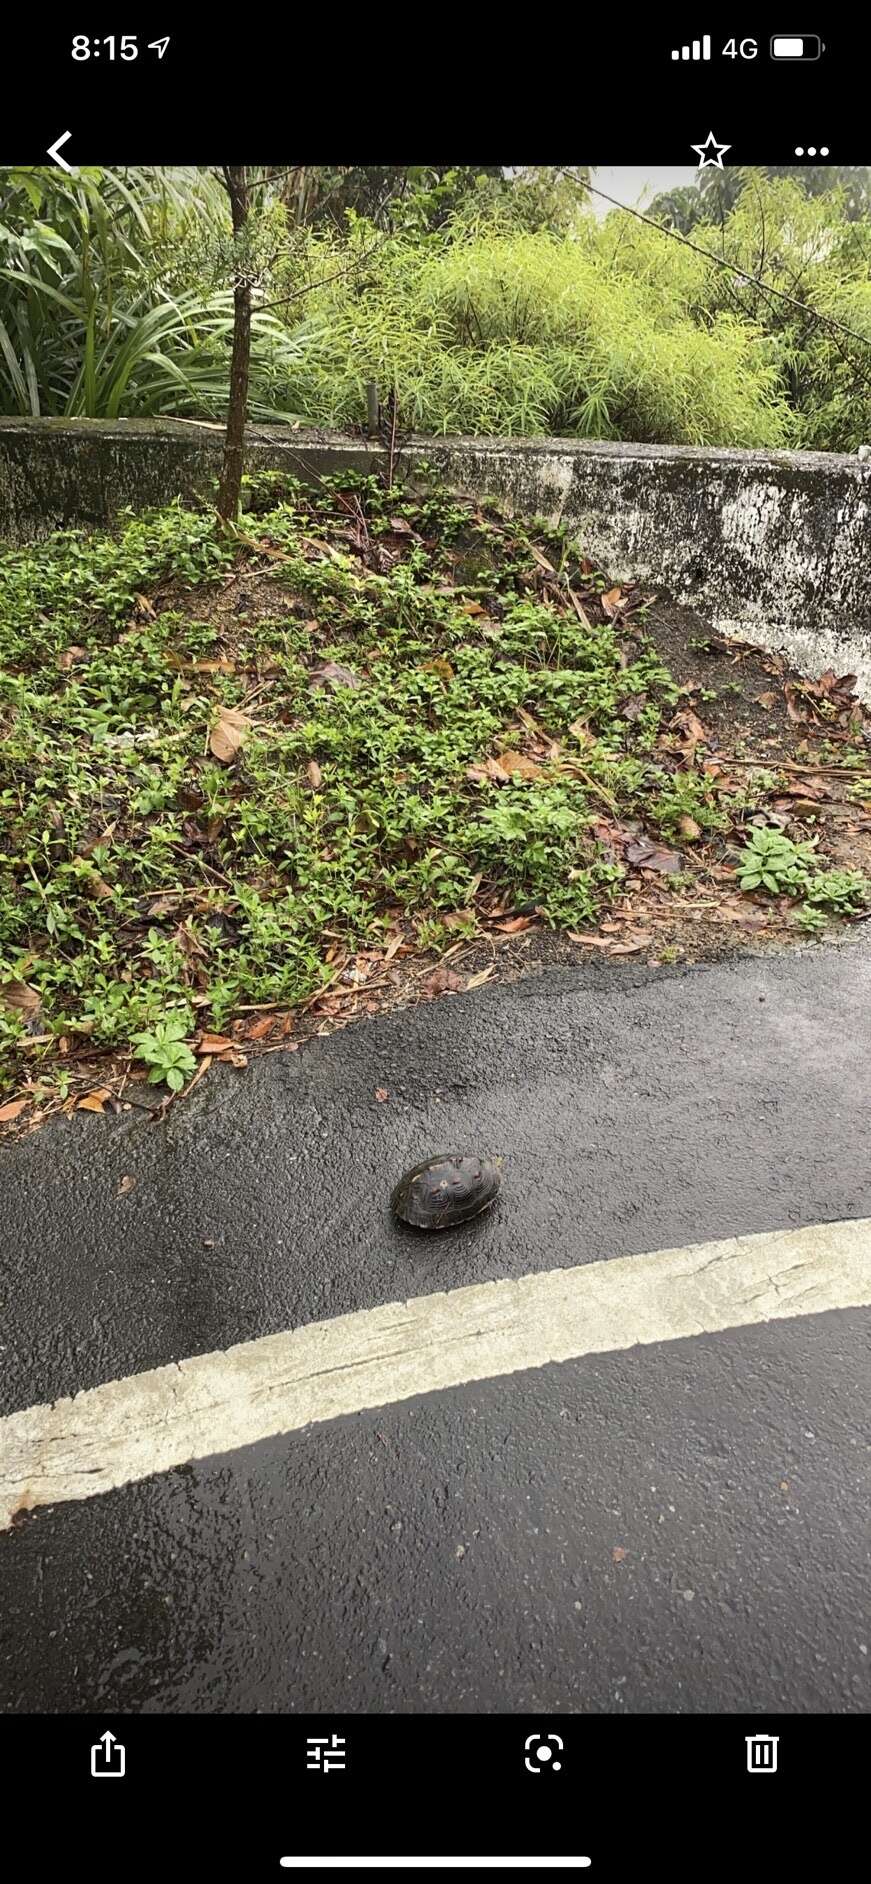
x=55 y=149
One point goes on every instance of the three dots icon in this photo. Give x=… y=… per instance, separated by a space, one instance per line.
x=811 y=150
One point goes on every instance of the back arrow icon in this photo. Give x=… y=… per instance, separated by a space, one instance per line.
x=55 y=149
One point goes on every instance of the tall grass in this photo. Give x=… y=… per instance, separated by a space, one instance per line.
x=529 y=333
x=88 y=326
x=115 y=299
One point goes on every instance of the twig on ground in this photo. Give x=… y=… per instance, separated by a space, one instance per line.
x=788 y=765
x=583 y=618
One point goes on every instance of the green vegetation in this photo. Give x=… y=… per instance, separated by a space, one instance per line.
x=92 y=323
x=230 y=754
x=492 y=305
x=166 y=1053
x=771 y=861
x=506 y=332
x=373 y=762
x=713 y=192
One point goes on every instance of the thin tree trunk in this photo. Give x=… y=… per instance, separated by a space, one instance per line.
x=230 y=486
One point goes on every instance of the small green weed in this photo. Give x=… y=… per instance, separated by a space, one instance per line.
x=687 y=795
x=772 y=862
x=812 y=921
x=165 y=1052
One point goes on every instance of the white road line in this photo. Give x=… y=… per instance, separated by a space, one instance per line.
x=214 y=1403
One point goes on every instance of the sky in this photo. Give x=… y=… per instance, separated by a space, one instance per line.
x=629 y=185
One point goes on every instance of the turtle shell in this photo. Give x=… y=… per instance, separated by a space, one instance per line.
x=446 y=1190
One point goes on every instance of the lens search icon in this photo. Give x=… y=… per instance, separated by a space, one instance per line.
x=542 y=1747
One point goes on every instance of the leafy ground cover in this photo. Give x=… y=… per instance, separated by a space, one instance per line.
x=370 y=747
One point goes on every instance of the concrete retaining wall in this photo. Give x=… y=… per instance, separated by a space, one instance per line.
x=772 y=546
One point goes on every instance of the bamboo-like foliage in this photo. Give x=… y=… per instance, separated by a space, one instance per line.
x=116 y=299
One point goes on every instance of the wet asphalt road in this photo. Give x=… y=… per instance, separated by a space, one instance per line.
x=457 y=1552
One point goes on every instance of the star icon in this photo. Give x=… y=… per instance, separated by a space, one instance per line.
x=711 y=152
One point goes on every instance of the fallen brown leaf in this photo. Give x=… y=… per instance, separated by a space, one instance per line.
x=689 y=729
x=332 y=674
x=126 y=1185
x=232 y=1057
x=315 y=776
x=646 y=855
x=94 y=884
x=443 y=981
x=183 y=666
x=491 y=769
x=439 y=666
x=94 y=1101
x=228 y=734
x=515 y=925
x=833 y=683
x=484 y=974
x=829 y=698
x=381 y=1094
x=813 y=788
x=22 y=1000
x=741 y=910
x=12 y=1110
x=517 y=765
x=259 y=1029
x=214 y=1043
x=611 y=601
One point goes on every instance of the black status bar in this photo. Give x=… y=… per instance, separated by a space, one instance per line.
x=607 y=94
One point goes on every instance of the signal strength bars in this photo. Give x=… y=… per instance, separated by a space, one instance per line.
x=701 y=49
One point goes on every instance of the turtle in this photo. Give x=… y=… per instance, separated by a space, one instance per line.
x=446 y=1190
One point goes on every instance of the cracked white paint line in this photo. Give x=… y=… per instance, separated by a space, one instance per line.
x=214 y=1403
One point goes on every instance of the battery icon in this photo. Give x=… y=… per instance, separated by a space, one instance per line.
x=796 y=46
